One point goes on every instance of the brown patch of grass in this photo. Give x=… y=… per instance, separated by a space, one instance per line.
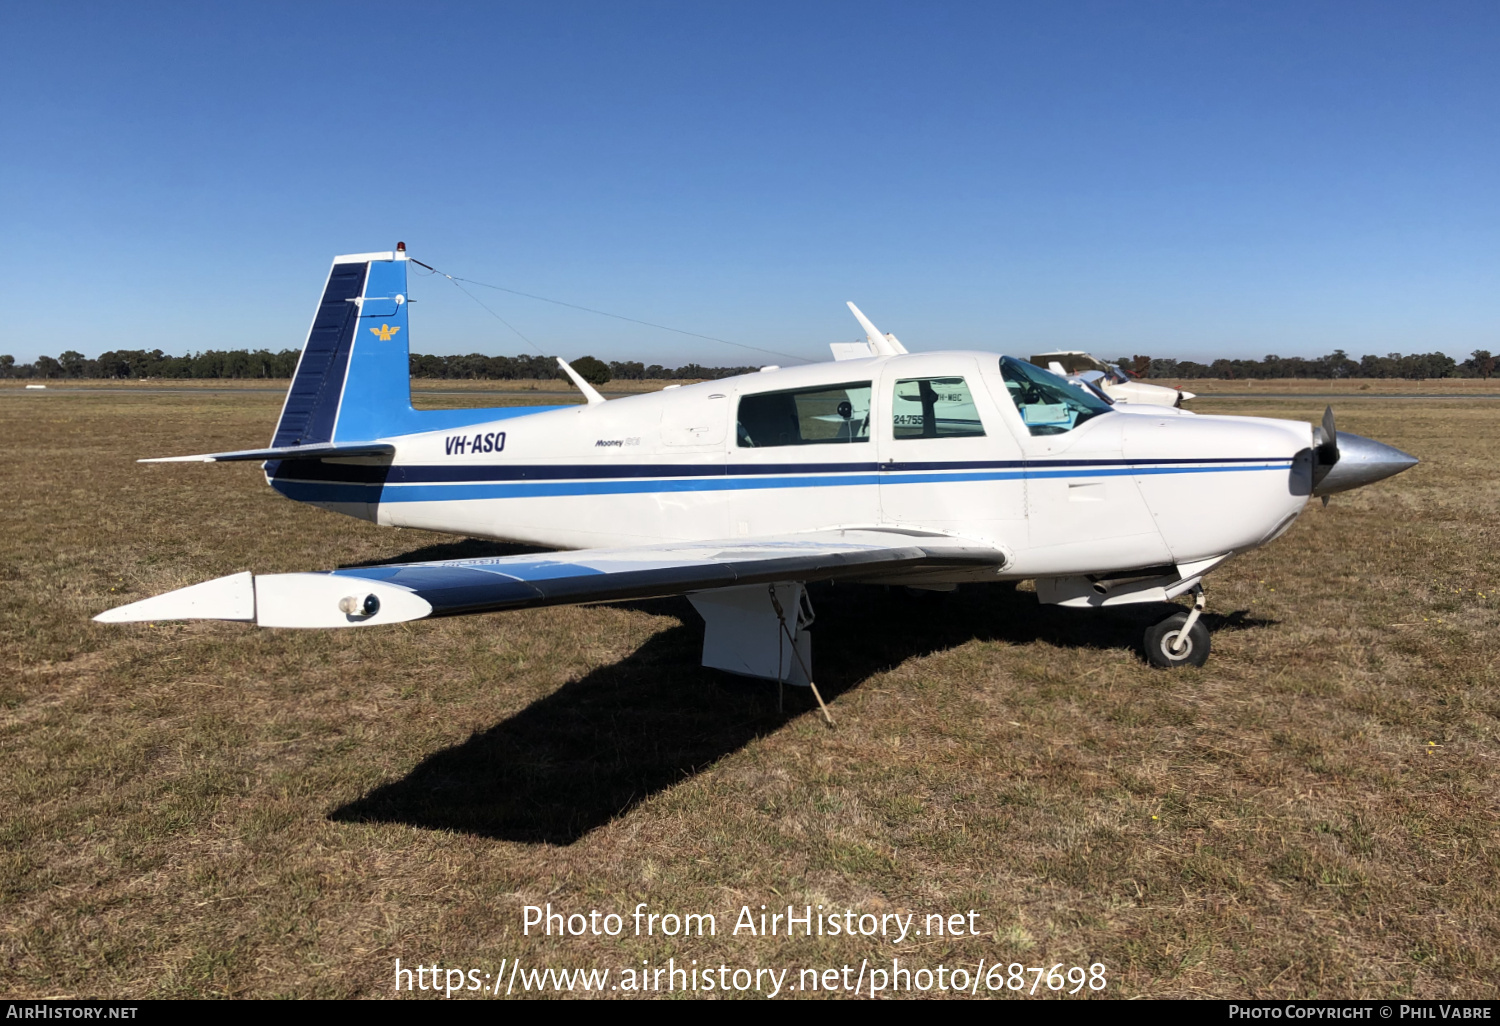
x=207 y=809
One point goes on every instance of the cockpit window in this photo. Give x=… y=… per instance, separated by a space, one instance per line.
x=1048 y=404
x=815 y=416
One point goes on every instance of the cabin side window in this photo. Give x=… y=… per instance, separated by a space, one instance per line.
x=934 y=408
x=1047 y=403
x=826 y=415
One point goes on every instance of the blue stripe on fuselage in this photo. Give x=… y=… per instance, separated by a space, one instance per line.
x=392 y=489
x=315 y=470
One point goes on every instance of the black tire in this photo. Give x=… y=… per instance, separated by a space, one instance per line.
x=1161 y=637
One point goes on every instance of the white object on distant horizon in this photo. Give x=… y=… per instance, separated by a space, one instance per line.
x=36 y=386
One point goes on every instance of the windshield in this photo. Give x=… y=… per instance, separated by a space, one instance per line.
x=1048 y=404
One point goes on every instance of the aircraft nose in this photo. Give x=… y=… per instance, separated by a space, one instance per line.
x=1361 y=461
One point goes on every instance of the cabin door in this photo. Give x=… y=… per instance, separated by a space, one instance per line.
x=801 y=458
x=948 y=462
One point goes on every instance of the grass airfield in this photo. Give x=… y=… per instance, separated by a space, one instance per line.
x=210 y=809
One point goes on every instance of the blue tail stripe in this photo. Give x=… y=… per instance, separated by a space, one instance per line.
x=378 y=392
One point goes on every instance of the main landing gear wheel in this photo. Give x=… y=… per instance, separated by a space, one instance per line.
x=1180 y=639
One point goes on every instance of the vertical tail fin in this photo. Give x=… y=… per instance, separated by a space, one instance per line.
x=353 y=382
x=357 y=346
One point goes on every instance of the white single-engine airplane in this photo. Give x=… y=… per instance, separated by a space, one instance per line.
x=1109 y=379
x=919 y=469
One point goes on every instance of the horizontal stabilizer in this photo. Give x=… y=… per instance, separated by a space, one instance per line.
x=225 y=598
x=285 y=452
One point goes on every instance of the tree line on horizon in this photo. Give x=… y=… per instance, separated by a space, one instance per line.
x=1338 y=364
x=126 y=364
x=139 y=364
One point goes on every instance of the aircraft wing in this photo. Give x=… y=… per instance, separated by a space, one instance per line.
x=356 y=596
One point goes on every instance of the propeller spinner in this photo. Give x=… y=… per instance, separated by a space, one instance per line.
x=1345 y=461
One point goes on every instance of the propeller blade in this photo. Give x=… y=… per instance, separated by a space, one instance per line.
x=1330 y=437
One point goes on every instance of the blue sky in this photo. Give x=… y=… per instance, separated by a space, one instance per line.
x=1178 y=179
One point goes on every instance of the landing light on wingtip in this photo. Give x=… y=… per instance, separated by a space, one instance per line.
x=355 y=605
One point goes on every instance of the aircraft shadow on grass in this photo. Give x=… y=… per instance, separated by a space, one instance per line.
x=596 y=747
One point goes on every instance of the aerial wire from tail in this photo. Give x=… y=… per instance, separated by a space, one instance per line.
x=476 y=299
x=588 y=309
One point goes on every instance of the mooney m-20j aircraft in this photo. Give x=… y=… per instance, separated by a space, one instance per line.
x=920 y=469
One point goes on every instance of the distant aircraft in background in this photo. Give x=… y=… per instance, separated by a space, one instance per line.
x=882 y=466
x=1115 y=383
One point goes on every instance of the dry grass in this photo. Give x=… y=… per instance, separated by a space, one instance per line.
x=1353 y=388
x=208 y=809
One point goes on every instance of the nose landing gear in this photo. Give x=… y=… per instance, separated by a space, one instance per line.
x=1180 y=639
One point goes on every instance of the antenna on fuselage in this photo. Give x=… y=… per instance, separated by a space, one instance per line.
x=587 y=389
x=880 y=345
